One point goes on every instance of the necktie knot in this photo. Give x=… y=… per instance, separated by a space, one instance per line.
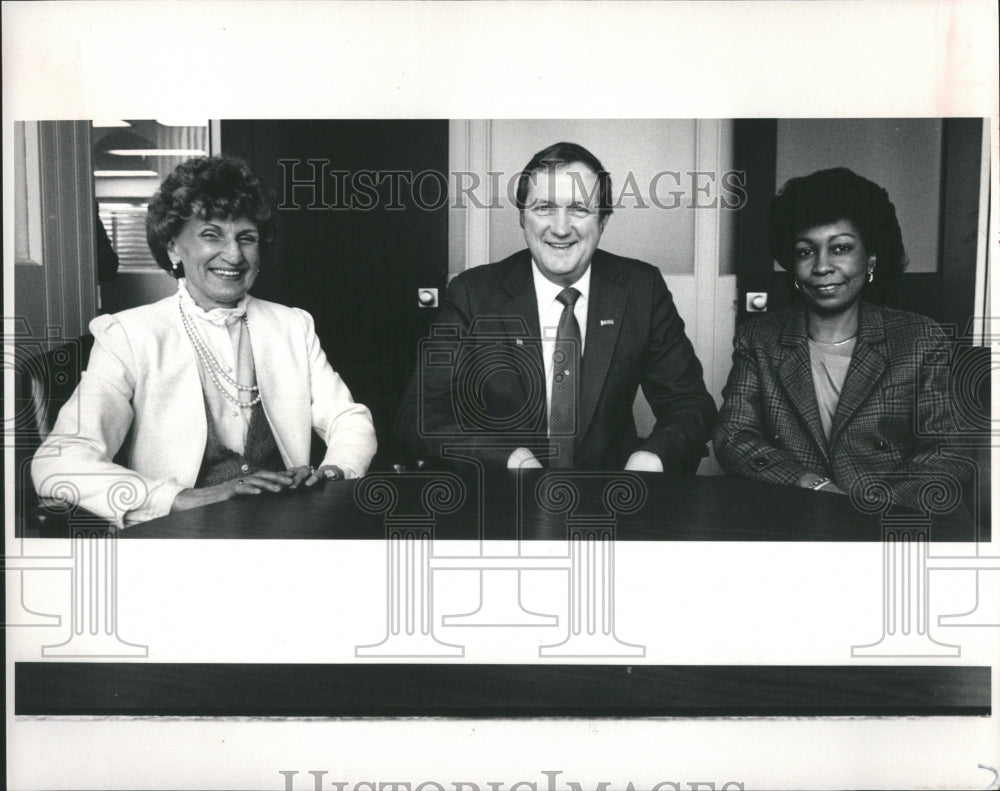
x=568 y=297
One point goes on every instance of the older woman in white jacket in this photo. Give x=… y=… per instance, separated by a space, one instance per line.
x=208 y=394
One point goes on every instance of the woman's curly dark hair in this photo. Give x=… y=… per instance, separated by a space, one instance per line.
x=826 y=196
x=212 y=188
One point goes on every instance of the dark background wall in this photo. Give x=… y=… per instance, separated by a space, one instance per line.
x=357 y=270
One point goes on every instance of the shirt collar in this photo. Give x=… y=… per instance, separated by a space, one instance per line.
x=220 y=316
x=546 y=291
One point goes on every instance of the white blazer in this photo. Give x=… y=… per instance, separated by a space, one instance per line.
x=141 y=393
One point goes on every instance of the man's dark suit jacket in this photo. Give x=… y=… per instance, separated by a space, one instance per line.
x=480 y=381
x=894 y=408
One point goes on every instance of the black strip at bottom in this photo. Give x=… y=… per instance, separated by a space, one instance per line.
x=472 y=690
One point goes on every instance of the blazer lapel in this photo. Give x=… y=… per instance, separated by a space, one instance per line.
x=604 y=320
x=866 y=368
x=519 y=316
x=521 y=300
x=795 y=375
x=281 y=391
x=180 y=404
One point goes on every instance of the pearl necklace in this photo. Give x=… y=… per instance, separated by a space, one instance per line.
x=212 y=366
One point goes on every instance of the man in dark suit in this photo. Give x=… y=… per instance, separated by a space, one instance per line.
x=507 y=376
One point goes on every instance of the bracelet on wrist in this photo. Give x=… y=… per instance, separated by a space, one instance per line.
x=819 y=483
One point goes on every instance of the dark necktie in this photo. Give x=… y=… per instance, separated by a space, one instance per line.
x=566 y=359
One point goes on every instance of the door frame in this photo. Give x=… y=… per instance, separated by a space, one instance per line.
x=705 y=298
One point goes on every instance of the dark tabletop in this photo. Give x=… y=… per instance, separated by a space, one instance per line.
x=537 y=505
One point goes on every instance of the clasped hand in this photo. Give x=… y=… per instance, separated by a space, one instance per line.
x=256 y=483
x=640 y=461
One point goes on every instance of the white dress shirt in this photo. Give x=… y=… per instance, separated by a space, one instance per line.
x=225 y=334
x=550 y=311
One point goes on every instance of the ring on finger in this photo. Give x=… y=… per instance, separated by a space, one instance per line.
x=241 y=482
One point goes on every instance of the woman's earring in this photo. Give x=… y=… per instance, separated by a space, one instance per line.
x=871 y=275
x=796 y=284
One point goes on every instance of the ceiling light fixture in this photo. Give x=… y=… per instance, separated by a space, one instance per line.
x=155 y=152
x=125 y=174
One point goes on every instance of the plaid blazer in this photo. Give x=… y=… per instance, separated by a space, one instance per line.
x=894 y=408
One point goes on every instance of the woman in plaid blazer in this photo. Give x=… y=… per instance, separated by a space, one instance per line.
x=826 y=391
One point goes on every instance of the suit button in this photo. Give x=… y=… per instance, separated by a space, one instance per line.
x=760 y=461
x=558 y=377
x=777 y=437
x=881 y=444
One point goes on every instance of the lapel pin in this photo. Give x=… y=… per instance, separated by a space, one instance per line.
x=607 y=322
